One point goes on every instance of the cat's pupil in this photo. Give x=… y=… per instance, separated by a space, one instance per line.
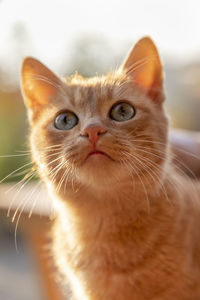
x=123 y=111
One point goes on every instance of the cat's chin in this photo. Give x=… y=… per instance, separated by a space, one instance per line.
x=98 y=162
x=100 y=171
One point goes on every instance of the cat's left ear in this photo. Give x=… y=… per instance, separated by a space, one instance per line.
x=39 y=84
x=144 y=66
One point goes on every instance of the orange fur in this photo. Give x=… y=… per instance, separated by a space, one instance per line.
x=127 y=225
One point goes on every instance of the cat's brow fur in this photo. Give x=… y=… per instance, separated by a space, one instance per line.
x=126 y=227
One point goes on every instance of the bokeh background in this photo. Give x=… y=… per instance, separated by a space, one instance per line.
x=90 y=37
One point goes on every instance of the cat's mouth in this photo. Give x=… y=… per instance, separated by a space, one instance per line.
x=98 y=154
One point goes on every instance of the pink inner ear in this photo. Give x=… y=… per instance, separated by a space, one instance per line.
x=40 y=85
x=144 y=74
x=144 y=66
x=39 y=93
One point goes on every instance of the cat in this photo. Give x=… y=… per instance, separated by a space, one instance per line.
x=127 y=223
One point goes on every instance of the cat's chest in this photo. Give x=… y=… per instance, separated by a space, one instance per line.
x=152 y=283
x=155 y=278
x=133 y=250
x=148 y=268
x=113 y=275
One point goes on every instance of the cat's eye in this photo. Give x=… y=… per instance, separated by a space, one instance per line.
x=122 y=111
x=66 y=120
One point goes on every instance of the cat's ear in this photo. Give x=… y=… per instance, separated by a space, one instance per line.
x=144 y=66
x=39 y=84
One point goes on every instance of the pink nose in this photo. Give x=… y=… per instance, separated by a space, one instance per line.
x=92 y=132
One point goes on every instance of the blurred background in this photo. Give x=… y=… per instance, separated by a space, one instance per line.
x=90 y=37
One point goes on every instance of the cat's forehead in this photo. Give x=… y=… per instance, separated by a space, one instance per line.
x=93 y=92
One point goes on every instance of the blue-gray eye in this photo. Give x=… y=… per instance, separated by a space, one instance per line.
x=121 y=112
x=66 y=120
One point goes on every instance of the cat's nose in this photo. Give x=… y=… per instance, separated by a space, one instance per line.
x=93 y=132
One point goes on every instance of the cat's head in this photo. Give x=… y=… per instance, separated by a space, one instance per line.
x=98 y=131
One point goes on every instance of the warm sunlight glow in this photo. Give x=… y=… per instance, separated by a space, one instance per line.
x=46 y=29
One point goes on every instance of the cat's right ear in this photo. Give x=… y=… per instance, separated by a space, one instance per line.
x=39 y=85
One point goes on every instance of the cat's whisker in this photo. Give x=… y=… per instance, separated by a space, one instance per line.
x=173 y=157
x=61 y=180
x=17 y=193
x=53 y=146
x=138 y=160
x=22 y=182
x=32 y=170
x=148 y=140
x=122 y=162
x=20 y=173
x=26 y=179
x=49 y=152
x=141 y=148
x=66 y=179
x=180 y=170
x=145 y=167
x=73 y=170
x=24 y=200
x=127 y=136
x=13 y=155
x=34 y=202
x=142 y=183
x=23 y=151
x=130 y=134
x=130 y=163
x=56 y=159
x=164 y=144
x=70 y=169
x=70 y=173
x=60 y=158
x=14 y=172
x=23 y=205
x=46 y=150
x=159 y=170
x=52 y=154
x=55 y=171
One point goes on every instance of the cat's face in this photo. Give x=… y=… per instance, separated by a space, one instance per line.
x=98 y=131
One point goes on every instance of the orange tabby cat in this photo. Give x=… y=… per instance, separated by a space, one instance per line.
x=127 y=224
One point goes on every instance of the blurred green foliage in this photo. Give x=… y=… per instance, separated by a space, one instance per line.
x=13 y=133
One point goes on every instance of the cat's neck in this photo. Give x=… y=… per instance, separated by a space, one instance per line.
x=88 y=220
x=127 y=201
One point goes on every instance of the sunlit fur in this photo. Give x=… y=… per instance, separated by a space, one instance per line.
x=127 y=227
